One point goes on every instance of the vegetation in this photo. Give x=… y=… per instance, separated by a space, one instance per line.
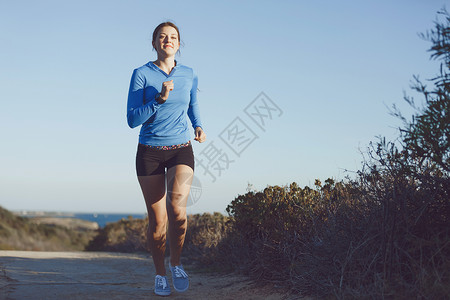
x=126 y=235
x=205 y=232
x=18 y=233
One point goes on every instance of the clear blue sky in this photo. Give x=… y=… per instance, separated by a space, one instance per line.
x=332 y=67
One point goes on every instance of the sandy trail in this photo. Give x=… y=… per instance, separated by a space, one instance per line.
x=102 y=275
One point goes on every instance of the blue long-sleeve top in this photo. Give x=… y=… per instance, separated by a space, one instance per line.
x=163 y=124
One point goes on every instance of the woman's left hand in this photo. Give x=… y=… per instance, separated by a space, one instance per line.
x=200 y=135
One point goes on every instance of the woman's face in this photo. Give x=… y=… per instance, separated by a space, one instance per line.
x=167 y=41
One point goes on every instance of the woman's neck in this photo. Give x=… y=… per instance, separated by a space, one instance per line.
x=166 y=64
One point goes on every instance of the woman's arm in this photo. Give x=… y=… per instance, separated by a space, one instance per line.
x=137 y=111
x=193 y=110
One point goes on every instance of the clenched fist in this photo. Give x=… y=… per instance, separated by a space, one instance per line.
x=200 y=135
x=167 y=86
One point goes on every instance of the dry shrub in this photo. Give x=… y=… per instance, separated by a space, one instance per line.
x=130 y=235
x=126 y=235
x=383 y=236
x=205 y=232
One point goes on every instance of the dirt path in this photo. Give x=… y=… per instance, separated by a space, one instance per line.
x=101 y=275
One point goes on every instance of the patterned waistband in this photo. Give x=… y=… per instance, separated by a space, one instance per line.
x=171 y=147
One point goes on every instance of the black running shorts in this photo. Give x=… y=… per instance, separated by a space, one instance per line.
x=152 y=161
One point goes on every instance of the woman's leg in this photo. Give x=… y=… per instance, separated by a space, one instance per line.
x=154 y=191
x=179 y=180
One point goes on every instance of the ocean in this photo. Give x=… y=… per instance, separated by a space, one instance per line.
x=100 y=218
x=103 y=219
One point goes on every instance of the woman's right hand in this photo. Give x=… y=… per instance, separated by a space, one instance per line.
x=167 y=86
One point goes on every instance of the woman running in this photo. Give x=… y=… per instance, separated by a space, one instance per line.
x=162 y=94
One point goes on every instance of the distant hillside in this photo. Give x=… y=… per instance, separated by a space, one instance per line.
x=19 y=233
x=69 y=223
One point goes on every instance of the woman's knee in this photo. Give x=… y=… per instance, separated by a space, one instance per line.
x=157 y=225
x=177 y=200
x=178 y=218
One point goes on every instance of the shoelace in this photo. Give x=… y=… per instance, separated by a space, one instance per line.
x=180 y=272
x=162 y=281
